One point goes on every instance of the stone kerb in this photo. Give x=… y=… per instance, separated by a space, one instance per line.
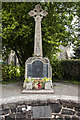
x=57 y=109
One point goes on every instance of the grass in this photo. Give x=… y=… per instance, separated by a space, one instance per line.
x=12 y=80
x=66 y=81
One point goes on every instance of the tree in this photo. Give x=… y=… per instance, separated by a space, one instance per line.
x=18 y=28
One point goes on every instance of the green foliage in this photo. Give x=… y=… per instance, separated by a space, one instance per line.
x=57 y=71
x=28 y=80
x=32 y=80
x=46 y=79
x=67 y=69
x=22 y=71
x=77 y=53
x=18 y=28
x=71 y=69
x=10 y=72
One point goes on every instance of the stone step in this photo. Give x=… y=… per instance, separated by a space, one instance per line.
x=37 y=91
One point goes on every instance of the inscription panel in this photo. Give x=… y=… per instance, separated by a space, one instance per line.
x=41 y=111
x=45 y=70
x=29 y=70
x=37 y=69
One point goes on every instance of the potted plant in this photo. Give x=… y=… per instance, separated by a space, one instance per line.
x=28 y=82
x=48 y=83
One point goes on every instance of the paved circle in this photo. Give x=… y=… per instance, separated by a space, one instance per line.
x=14 y=89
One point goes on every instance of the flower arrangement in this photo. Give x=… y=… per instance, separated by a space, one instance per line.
x=38 y=83
x=46 y=79
x=35 y=86
x=29 y=80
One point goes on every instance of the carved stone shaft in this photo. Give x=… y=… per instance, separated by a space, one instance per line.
x=38 y=14
x=38 y=37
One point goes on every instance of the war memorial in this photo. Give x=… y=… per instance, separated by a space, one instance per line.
x=38 y=71
x=38 y=98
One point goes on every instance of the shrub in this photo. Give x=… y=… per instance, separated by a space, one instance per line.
x=66 y=69
x=57 y=69
x=71 y=69
x=11 y=72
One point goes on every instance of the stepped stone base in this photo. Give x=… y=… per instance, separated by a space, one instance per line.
x=37 y=91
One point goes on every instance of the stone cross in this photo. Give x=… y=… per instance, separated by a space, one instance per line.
x=38 y=14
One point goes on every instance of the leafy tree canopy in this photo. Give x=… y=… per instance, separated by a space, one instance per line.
x=18 y=27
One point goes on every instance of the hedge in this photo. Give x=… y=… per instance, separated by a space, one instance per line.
x=67 y=69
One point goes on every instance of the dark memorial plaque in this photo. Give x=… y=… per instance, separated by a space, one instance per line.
x=37 y=69
x=45 y=70
x=29 y=70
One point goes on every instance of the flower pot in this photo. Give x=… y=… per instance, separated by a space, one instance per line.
x=48 y=85
x=29 y=86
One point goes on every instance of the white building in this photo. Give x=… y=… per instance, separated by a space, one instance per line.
x=66 y=52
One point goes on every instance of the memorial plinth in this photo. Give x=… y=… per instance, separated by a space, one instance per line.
x=38 y=67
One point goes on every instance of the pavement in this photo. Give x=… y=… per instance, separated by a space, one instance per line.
x=61 y=91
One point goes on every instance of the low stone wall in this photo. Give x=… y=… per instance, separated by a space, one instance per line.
x=40 y=110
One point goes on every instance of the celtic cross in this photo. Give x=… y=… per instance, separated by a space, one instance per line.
x=38 y=14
